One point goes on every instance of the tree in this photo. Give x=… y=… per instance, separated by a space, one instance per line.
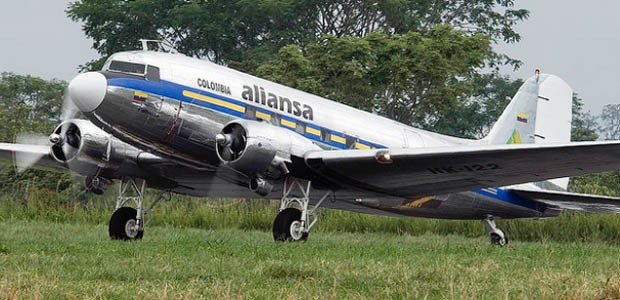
x=249 y=35
x=473 y=116
x=409 y=77
x=29 y=104
x=583 y=124
x=610 y=119
x=246 y=33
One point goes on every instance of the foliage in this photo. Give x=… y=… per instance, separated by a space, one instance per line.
x=72 y=207
x=473 y=116
x=241 y=31
x=610 y=119
x=584 y=125
x=419 y=83
x=406 y=77
x=607 y=183
x=29 y=105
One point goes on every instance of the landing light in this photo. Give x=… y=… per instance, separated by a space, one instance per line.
x=384 y=157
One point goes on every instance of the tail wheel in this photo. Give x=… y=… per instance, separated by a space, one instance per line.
x=287 y=226
x=499 y=239
x=122 y=225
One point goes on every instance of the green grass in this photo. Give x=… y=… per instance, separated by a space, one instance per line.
x=40 y=259
x=199 y=213
x=54 y=246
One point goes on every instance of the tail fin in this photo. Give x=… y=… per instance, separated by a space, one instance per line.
x=540 y=112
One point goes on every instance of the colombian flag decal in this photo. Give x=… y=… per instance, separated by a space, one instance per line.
x=140 y=96
x=521 y=117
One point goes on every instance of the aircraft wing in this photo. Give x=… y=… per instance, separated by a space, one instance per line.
x=412 y=172
x=573 y=201
x=35 y=153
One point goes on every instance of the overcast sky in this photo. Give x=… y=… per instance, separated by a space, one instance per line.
x=576 y=40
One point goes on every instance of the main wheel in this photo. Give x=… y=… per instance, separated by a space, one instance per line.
x=497 y=239
x=287 y=226
x=122 y=225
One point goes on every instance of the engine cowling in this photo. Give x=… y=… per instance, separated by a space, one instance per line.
x=85 y=148
x=260 y=149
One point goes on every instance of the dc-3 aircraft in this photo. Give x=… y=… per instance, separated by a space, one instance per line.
x=178 y=124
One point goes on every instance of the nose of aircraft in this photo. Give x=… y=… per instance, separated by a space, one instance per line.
x=88 y=90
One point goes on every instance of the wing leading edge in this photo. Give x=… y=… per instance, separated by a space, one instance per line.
x=433 y=171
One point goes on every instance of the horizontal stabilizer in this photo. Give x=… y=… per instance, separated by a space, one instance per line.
x=573 y=201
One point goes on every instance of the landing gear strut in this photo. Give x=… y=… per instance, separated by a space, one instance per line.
x=295 y=219
x=497 y=236
x=127 y=223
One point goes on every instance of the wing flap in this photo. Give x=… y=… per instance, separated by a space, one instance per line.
x=432 y=171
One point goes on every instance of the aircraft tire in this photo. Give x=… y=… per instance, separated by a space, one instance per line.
x=497 y=239
x=120 y=221
x=282 y=226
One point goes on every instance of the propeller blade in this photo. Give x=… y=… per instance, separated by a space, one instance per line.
x=68 y=112
x=24 y=160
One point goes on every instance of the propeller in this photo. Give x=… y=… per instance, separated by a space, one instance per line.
x=231 y=142
x=25 y=160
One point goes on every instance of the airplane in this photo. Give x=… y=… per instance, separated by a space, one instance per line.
x=177 y=124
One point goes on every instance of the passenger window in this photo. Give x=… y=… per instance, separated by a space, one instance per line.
x=325 y=135
x=152 y=73
x=250 y=112
x=126 y=67
x=300 y=128
x=351 y=141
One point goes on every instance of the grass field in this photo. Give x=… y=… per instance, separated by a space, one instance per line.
x=56 y=246
x=48 y=260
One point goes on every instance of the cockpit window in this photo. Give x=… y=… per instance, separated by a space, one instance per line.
x=152 y=73
x=126 y=67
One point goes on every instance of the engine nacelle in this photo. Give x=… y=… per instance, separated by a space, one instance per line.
x=85 y=148
x=260 y=148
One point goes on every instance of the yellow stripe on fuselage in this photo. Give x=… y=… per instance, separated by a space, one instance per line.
x=264 y=116
x=217 y=102
x=338 y=139
x=311 y=130
x=288 y=123
x=361 y=146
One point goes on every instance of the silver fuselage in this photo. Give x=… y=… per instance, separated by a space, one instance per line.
x=178 y=115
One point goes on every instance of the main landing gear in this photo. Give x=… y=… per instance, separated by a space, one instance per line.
x=295 y=219
x=127 y=223
x=497 y=236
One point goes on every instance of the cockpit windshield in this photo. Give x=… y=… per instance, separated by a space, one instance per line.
x=150 y=73
x=127 y=67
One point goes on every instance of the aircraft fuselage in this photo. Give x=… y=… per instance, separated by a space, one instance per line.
x=175 y=106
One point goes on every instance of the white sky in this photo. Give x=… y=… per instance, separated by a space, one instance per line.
x=576 y=40
x=36 y=38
